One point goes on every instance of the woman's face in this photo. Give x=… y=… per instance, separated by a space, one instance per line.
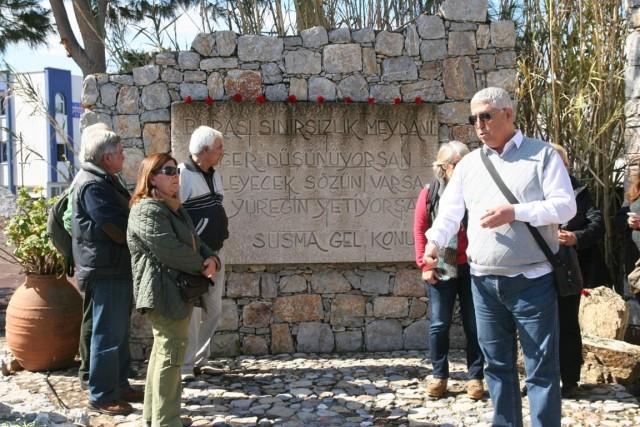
x=166 y=179
x=450 y=167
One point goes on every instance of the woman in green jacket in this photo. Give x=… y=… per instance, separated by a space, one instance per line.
x=163 y=243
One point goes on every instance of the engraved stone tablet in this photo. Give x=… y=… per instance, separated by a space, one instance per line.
x=317 y=183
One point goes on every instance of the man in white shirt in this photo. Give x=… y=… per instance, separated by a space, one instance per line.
x=512 y=281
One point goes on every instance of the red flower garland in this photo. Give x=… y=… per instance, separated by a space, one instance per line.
x=237 y=97
x=397 y=100
x=187 y=100
x=585 y=292
x=371 y=100
x=261 y=99
x=348 y=100
x=209 y=100
x=418 y=100
x=320 y=99
x=292 y=99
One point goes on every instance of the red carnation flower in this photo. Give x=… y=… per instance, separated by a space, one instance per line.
x=348 y=100
x=585 y=292
x=292 y=99
x=320 y=99
x=397 y=100
x=260 y=99
x=371 y=100
x=418 y=100
x=237 y=97
x=209 y=100
x=187 y=100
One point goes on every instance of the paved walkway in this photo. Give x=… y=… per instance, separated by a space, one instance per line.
x=381 y=389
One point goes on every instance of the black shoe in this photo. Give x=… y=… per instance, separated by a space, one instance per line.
x=569 y=390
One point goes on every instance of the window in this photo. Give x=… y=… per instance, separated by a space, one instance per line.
x=61 y=131
x=3 y=106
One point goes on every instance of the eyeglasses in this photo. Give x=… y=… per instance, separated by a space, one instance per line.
x=484 y=117
x=168 y=170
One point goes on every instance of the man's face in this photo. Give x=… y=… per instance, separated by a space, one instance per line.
x=113 y=162
x=215 y=152
x=494 y=126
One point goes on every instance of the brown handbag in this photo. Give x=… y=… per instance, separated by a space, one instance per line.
x=192 y=287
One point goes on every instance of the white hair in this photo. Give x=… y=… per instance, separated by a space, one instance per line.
x=447 y=154
x=496 y=96
x=203 y=137
x=97 y=140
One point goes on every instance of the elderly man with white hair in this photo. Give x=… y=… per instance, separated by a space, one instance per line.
x=201 y=194
x=512 y=280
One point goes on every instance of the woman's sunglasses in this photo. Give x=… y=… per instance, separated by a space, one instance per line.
x=169 y=171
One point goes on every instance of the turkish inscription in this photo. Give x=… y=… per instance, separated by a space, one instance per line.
x=307 y=183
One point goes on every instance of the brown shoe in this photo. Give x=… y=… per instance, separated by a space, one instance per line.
x=437 y=387
x=475 y=389
x=111 y=408
x=132 y=395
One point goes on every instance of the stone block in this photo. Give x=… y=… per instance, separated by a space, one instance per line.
x=155 y=96
x=487 y=62
x=89 y=91
x=298 y=88
x=281 y=339
x=256 y=315
x=464 y=10
x=604 y=314
x=431 y=71
x=364 y=35
x=354 y=86
x=411 y=41
x=298 y=308
x=348 y=341
x=506 y=79
x=225 y=345
x=416 y=336
x=228 y=316
x=156 y=138
x=483 y=37
x=268 y=286
x=340 y=35
x=127 y=126
x=215 y=86
x=123 y=79
x=161 y=115
x=108 y=94
x=389 y=44
x=128 y=97
x=271 y=73
x=197 y=91
x=240 y=285
x=292 y=41
x=375 y=282
x=314 y=37
x=89 y=118
x=453 y=113
x=315 y=337
x=383 y=335
x=459 y=78
x=503 y=34
x=302 y=61
x=409 y=284
x=348 y=310
x=428 y=90
x=329 y=282
x=384 y=93
x=226 y=42
x=464 y=133
x=218 y=63
x=462 y=43
x=607 y=360
x=204 y=44
x=321 y=86
x=369 y=61
x=291 y=284
x=390 y=307
x=399 y=69
x=247 y=83
x=254 y=345
x=132 y=158
x=506 y=58
x=277 y=92
x=146 y=75
x=259 y=48
x=417 y=308
x=171 y=75
x=166 y=58
x=632 y=82
x=188 y=60
x=433 y=50
x=342 y=58
x=430 y=27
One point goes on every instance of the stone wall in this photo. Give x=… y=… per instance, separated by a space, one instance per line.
x=441 y=60
x=632 y=82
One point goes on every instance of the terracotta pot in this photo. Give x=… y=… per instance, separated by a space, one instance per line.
x=43 y=323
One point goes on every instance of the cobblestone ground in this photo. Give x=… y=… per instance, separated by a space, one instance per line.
x=381 y=389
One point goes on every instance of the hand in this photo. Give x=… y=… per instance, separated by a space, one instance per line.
x=567 y=238
x=498 y=216
x=634 y=223
x=430 y=257
x=430 y=276
x=210 y=267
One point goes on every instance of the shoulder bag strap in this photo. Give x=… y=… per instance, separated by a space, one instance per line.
x=512 y=199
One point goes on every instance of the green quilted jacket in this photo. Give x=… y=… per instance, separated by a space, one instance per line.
x=161 y=243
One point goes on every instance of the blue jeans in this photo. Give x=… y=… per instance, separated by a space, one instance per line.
x=109 y=359
x=442 y=297
x=506 y=306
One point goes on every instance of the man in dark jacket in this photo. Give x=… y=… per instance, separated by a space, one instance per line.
x=103 y=268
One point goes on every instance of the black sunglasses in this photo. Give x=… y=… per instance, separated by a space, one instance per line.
x=168 y=170
x=484 y=117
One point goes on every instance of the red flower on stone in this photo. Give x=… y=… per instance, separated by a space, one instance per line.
x=260 y=99
x=348 y=100
x=292 y=99
x=187 y=100
x=209 y=100
x=397 y=100
x=585 y=292
x=237 y=97
x=320 y=99
x=418 y=100
x=371 y=100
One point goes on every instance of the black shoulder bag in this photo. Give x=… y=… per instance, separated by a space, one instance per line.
x=192 y=287
x=566 y=268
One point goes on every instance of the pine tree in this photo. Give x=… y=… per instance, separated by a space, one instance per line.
x=23 y=21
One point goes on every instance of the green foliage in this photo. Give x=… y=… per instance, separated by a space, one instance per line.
x=27 y=231
x=23 y=20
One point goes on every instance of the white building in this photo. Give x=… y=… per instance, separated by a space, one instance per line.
x=39 y=139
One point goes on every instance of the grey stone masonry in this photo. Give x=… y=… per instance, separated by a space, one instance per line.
x=632 y=83
x=322 y=307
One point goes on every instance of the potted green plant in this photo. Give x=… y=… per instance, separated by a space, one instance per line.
x=44 y=314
